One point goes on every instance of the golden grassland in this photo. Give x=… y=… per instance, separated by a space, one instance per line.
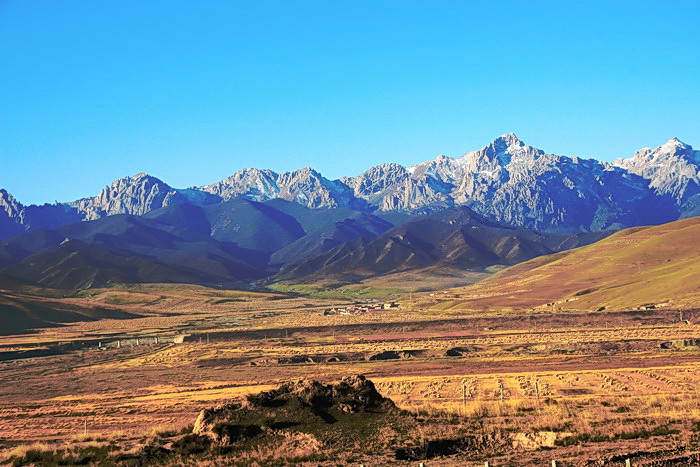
x=575 y=386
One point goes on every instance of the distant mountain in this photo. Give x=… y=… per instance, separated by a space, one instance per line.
x=455 y=237
x=641 y=267
x=506 y=180
x=237 y=242
x=223 y=245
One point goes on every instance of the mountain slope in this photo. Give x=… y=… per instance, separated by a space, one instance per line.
x=637 y=267
x=252 y=225
x=457 y=237
x=357 y=225
x=224 y=245
x=168 y=245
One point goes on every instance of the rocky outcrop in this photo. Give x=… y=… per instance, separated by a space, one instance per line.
x=303 y=403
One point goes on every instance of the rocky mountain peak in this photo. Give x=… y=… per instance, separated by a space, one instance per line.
x=308 y=187
x=503 y=150
x=254 y=184
x=671 y=169
x=9 y=204
x=676 y=147
x=305 y=172
x=136 y=195
x=510 y=139
x=377 y=179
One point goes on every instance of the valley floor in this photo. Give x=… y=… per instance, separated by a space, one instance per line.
x=575 y=387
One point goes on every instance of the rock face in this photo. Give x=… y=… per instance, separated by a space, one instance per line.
x=672 y=169
x=304 y=403
x=392 y=187
x=129 y=195
x=10 y=215
x=304 y=186
x=506 y=180
x=254 y=184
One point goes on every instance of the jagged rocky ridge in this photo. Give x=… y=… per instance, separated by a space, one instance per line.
x=507 y=181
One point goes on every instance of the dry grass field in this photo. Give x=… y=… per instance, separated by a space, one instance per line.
x=576 y=386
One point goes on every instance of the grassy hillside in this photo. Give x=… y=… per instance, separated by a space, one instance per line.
x=637 y=267
x=21 y=312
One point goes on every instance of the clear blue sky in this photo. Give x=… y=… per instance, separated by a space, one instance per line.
x=192 y=91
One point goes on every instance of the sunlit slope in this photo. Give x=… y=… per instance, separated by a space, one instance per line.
x=637 y=267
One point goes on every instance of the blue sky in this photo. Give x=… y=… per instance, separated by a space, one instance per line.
x=193 y=91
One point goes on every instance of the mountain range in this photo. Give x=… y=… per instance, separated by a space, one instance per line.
x=237 y=242
x=507 y=181
x=498 y=206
